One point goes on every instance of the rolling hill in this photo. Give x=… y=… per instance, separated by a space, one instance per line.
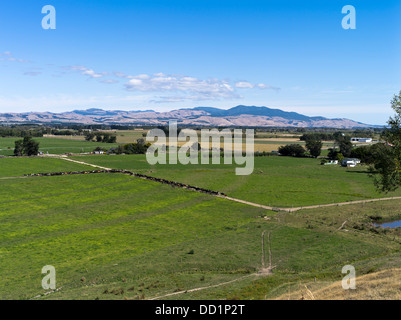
x=246 y=116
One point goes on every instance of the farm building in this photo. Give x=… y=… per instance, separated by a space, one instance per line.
x=350 y=162
x=367 y=140
x=331 y=162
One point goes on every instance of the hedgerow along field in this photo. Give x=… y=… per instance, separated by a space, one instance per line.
x=55 y=145
x=113 y=236
x=123 y=136
x=276 y=181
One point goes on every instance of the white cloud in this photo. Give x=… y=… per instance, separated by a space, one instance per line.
x=8 y=56
x=136 y=83
x=192 y=88
x=32 y=73
x=120 y=75
x=92 y=74
x=248 y=85
x=109 y=81
x=189 y=88
x=86 y=71
x=142 y=76
x=244 y=85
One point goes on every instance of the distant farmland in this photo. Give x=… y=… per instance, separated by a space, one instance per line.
x=54 y=145
x=76 y=144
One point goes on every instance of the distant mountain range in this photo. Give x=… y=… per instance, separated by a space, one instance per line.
x=245 y=116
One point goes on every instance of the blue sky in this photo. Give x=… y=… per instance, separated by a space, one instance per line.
x=170 y=54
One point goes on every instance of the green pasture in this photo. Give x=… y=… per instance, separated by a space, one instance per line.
x=54 y=145
x=113 y=236
x=16 y=167
x=275 y=181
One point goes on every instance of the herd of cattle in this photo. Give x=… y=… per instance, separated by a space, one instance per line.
x=164 y=181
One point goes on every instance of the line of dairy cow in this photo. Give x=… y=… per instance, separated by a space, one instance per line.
x=143 y=176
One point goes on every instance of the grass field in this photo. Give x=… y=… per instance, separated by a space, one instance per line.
x=112 y=236
x=92 y=225
x=276 y=181
x=15 y=167
x=54 y=145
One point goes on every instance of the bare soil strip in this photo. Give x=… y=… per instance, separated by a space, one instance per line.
x=84 y=163
x=8 y=178
x=251 y=203
x=202 y=288
x=338 y=204
x=309 y=207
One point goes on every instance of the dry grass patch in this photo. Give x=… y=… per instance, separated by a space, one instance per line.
x=382 y=285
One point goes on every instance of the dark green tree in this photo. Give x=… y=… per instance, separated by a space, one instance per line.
x=26 y=147
x=386 y=168
x=345 y=145
x=314 y=146
x=112 y=139
x=99 y=137
x=292 y=150
x=89 y=136
x=332 y=155
x=19 y=148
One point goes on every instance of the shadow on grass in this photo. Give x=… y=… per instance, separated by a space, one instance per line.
x=361 y=171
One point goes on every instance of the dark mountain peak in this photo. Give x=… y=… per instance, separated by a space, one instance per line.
x=257 y=111
x=214 y=112
x=91 y=111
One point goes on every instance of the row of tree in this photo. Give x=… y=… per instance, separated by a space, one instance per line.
x=20 y=132
x=102 y=137
x=317 y=136
x=334 y=136
x=314 y=147
x=139 y=147
x=26 y=147
x=314 y=144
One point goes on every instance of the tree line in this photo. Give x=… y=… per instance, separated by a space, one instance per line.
x=20 y=132
x=102 y=137
x=313 y=146
x=138 y=147
x=334 y=136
